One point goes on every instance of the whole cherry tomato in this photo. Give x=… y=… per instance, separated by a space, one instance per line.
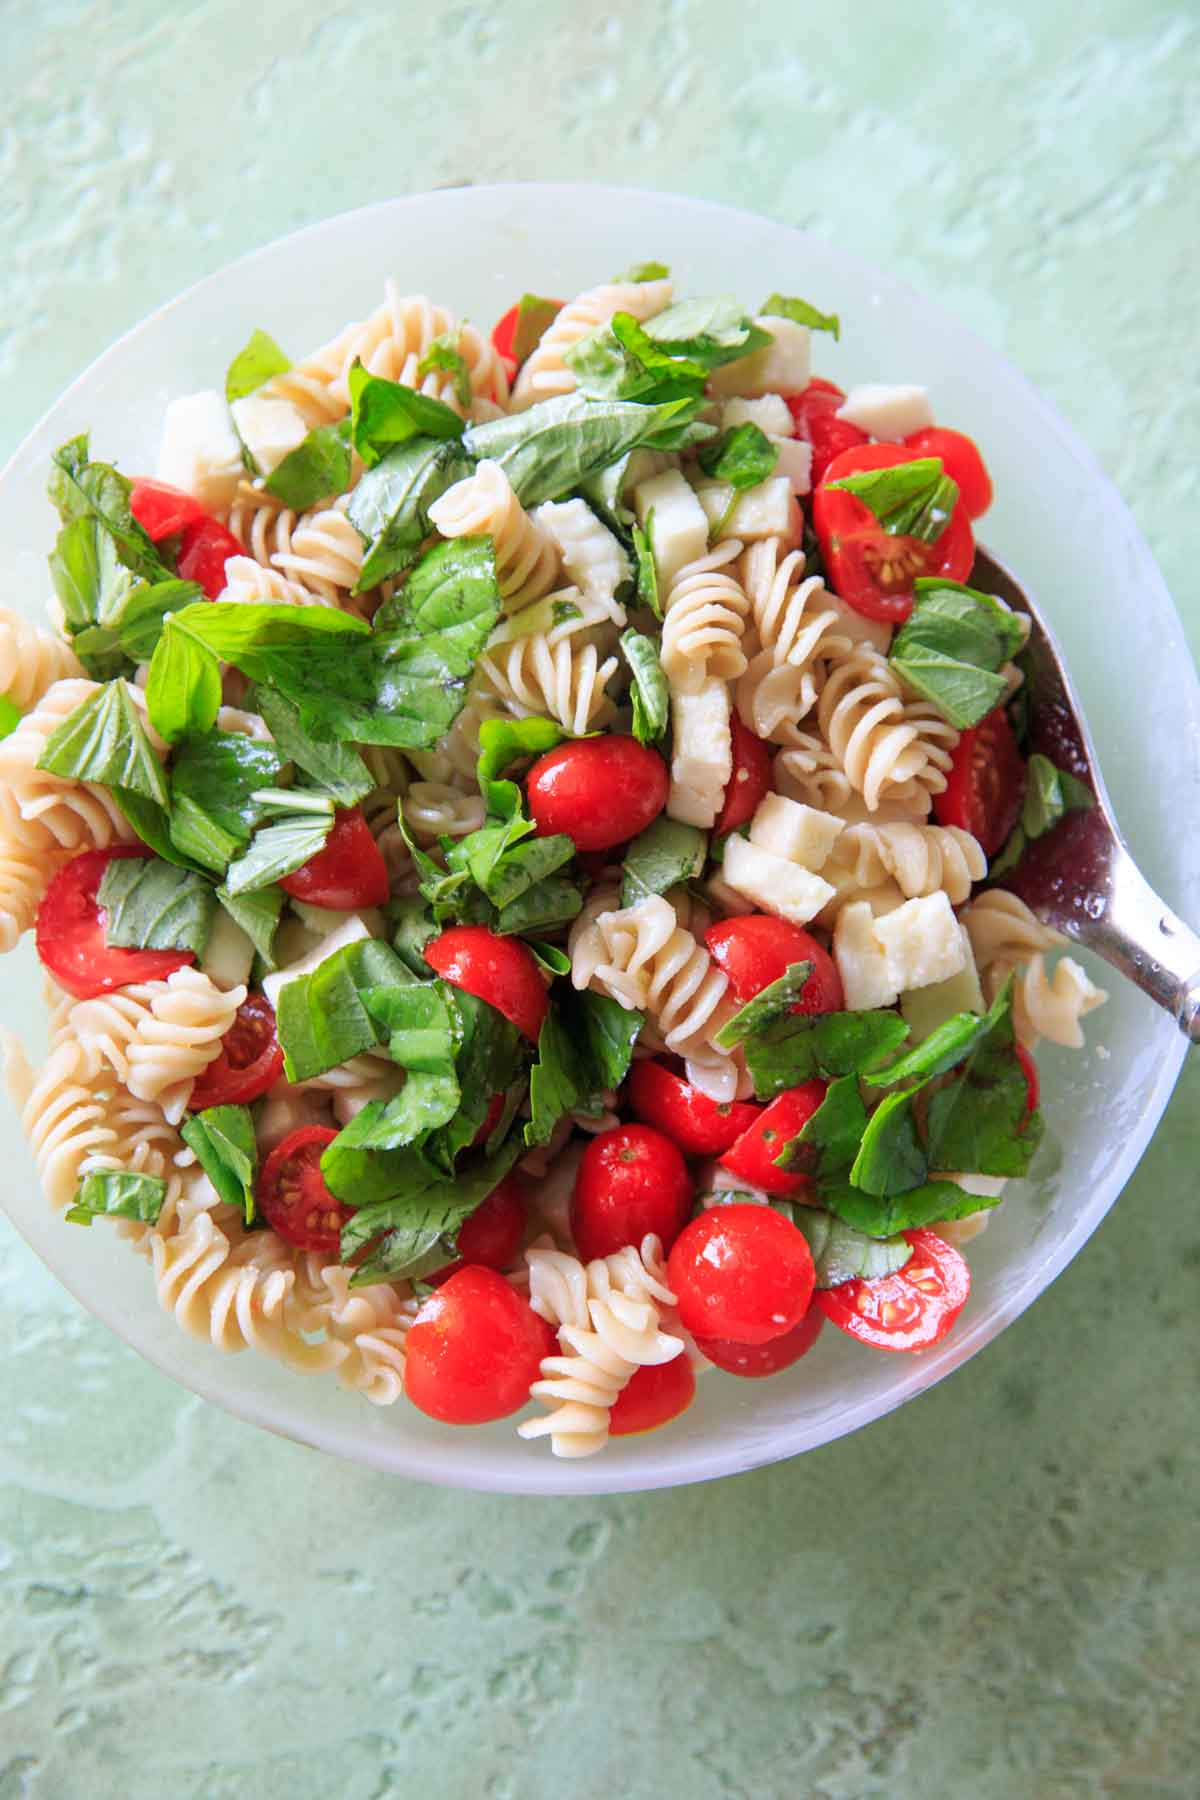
x=493 y=968
x=655 y=1394
x=598 y=791
x=757 y=949
x=474 y=1349
x=741 y=1273
x=756 y=1360
x=631 y=1181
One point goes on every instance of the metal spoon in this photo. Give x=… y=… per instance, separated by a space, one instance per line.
x=1080 y=878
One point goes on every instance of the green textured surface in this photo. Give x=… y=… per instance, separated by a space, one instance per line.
x=995 y=1591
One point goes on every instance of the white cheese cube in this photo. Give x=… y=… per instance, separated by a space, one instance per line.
x=922 y=941
x=768 y=509
x=229 y=953
x=321 y=920
x=926 y=1008
x=890 y=413
x=778 y=886
x=770 y=414
x=795 y=463
x=200 y=451
x=679 y=529
x=590 y=555
x=801 y=833
x=702 y=756
x=352 y=931
x=270 y=429
x=780 y=367
x=861 y=960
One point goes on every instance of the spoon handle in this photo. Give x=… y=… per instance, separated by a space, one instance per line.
x=1139 y=935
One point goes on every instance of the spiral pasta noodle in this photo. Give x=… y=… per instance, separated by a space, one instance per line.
x=319 y=550
x=1008 y=939
x=483 y=504
x=433 y=810
x=809 y=772
x=703 y=622
x=41 y=812
x=795 y=625
x=31 y=660
x=160 y=1035
x=651 y=963
x=566 y=681
x=249 y=583
x=887 y=746
x=545 y=375
x=1004 y=932
x=919 y=858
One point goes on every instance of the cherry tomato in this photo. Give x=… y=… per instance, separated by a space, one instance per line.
x=655 y=1394
x=871 y=569
x=1033 y=1086
x=250 y=1061
x=491 y=1119
x=758 y=948
x=961 y=461
x=814 y=411
x=348 y=872
x=698 y=1125
x=493 y=1232
x=162 y=510
x=293 y=1197
x=986 y=785
x=474 y=1349
x=496 y=969
x=909 y=1310
x=504 y=332
x=750 y=779
x=741 y=1273
x=631 y=1181
x=755 y=1360
x=71 y=939
x=599 y=791
x=204 y=549
x=752 y=1158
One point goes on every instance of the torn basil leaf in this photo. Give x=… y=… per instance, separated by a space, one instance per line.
x=840 y=1253
x=742 y=457
x=585 y=1048
x=828 y=1142
x=952 y=647
x=664 y=855
x=104 y=741
x=559 y=444
x=117 y=1194
x=503 y=742
x=710 y=331
x=140 y=624
x=783 y=306
x=884 y=1216
x=891 y=1157
x=154 y=906
x=780 y=996
x=413 y=1230
x=650 y=694
x=336 y=768
x=258 y=915
x=912 y=499
x=322 y=1018
x=619 y=361
x=82 y=489
x=1050 y=794
x=223 y=1140
x=315 y=469
x=258 y=361
x=389 y=507
x=798 y=1046
x=277 y=850
x=647 y=571
x=219 y=772
x=183 y=690
x=384 y=414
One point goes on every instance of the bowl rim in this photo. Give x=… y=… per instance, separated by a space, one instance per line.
x=707 y=1461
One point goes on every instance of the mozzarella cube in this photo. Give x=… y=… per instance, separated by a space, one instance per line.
x=890 y=413
x=270 y=429
x=778 y=886
x=679 y=528
x=922 y=941
x=702 y=757
x=229 y=953
x=200 y=451
x=353 y=931
x=801 y=833
x=924 y=1009
x=780 y=367
x=861 y=959
x=770 y=413
x=590 y=555
x=795 y=463
x=769 y=509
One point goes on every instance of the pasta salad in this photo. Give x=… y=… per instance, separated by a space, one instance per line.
x=513 y=828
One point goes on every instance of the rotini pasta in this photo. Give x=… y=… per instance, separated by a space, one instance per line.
x=920 y=858
x=41 y=812
x=644 y=958
x=31 y=660
x=703 y=622
x=888 y=748
x=567 y=681
x=159 y=1036
x=485 y=505
x=545 y=374
x=318 y=550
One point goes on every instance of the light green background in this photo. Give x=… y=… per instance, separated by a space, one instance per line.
x=990 y=1594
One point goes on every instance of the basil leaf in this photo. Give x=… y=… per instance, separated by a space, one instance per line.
x=104 y=741
x=912 y=499
x=980 y=1121
x=647 y=571
x=425 y=1102
x=277 y=850
x=76 y=571
x=389 y=507
x=951 y=648
x=412 y=927
x=619 y=361
x=81 y=489
x=651 y=696
x=890 y=1158
x=584 y=1048
x=558 y=444
x=778 y=997
x=962 y=694
x=219 y=772
x=490 y=1055
x=336 y=768
x=414 y=1230
x=503 y=742
x=827 y=1144
x=783 y=306
x=152 y=906
x=199 y=839
x=322 y=1018
x=1014 y=849
x=664 y=855
x=258 y=915
x=947 y=1046
x=549 y=903
x=504 y=877
x=710 y=331
x=117 y=1194
x=885 y=1216
x=742 y=457
x=183 y=690
x=1050 y=794
x=10 y=716
x=266 y=640
x=384 y=413
x=553 y=960
x=798 y=1046
x=604 y=493
x=141 y=622
x=443 y=353
x=645 y=271
x=223 y=1140
x=316 y=468
x=152 y=823
x=418 y=1022
x=840 y=1253
x=256 y=363
x=534 y=319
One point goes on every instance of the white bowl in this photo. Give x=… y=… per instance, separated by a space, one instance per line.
x=1057 y=522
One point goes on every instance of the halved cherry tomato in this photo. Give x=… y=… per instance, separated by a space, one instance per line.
x=631 y=1181
x=741 y=1273
x=750 y=779
x=504 y=332
x=474 y=1349
x=293 y=1197
x=986 y=784
x=204 y=549
x=250 y=1061
x=752 y=1158
x=757 y=948
x=961 y=461
x=493 y=968
x=599 y=791
x=1033 y=1085
x=755 y=1360
x=871 y=569
x=909 y=1310
x=348 y=872
x=70 y=936
x=162 y=510
x=655 y=1394
x=700 y=1126
x=814 y=410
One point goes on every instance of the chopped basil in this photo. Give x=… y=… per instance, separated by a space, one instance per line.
x=553 y=960
x=153 y=906
x=840 y=1253
x=104 y=741
x=783 y=306
x=489 y=1059
x=384 y=413
x=117 y=1194
x=141 y=622
x=952 y=647
x=890 y=1158
x=534 y=318
x=980 y=1121
x=389 y=507
x=504 y=866
x=585 y=1047
x=278 y=849
x=316 y=468
x=414 y=1211
x=152 y=823
x=258 y=361
x=223 y=1140
x=81 y=489
x=548 y=904
x=743 y=456
x=950 y=1044
x=322 y=1018
x=183 y=690
x=219 y=772
x=426 y=1101
x=778 y=997
x=885 y=1216
x=198 y=837
x=644 y=271
x=443 y=353
x=912 y=499
x=664 y=855
x=412 y=927
x=558 y=444
x=619 y=361
x=503 y=742
x=798 y=1046
x=647 y=570
x=1050 y=794
x=337 y=768
x=258 y=915
x=650 y=694
x=709 y=331
x=827 y=1143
